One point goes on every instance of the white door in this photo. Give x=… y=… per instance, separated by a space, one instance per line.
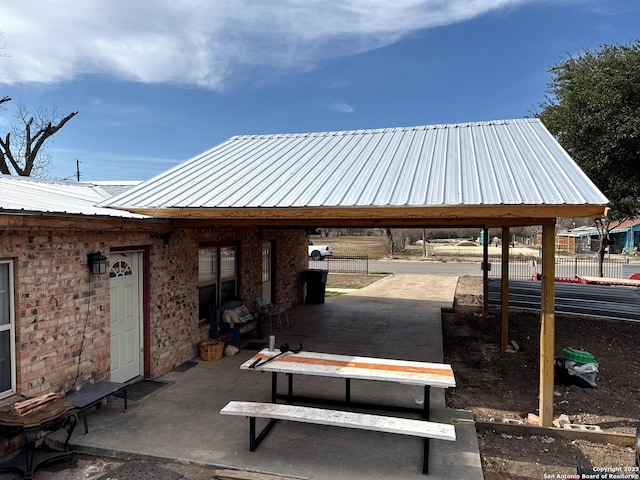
x=266 y=272
x=126 y=316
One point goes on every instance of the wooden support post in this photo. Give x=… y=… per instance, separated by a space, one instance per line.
x=547 y=325
x=504 y=297
x=485 y=272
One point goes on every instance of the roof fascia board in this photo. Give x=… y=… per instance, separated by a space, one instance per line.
x=80 y=222
x=510 y=212
x=363 y=223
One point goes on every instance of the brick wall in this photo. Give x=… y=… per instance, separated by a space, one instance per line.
x=62 y=312
x=175 y=330
x=57 y=303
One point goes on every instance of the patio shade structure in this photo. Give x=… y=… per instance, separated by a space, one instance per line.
x=484 y=174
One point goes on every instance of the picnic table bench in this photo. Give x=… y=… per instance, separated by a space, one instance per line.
x=93 y=394
x=337 y=418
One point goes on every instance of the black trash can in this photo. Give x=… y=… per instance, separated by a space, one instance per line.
x=316 y=282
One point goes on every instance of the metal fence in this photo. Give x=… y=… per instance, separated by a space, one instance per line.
x=521 y=268
x=343 y=264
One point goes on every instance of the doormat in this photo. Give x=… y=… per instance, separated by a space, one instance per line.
x=255 y=346
x=185 y=366
x=139 y=390
x=140 y=471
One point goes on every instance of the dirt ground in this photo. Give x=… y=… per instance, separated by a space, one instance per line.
x=505 y=385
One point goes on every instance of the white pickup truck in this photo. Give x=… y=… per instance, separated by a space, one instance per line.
x=318 y=252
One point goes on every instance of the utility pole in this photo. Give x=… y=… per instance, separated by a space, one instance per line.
x=77 y=170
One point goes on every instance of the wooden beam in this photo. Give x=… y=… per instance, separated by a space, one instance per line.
x=499 y=213
x=485 y=272
x=79 y=222
x=547 y=326
x=358 y=222
x=82 y=222
x=504 y=288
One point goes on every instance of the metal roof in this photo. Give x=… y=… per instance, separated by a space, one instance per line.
x=507 y=162
x=590 y=230
x=115 y=187
x=26 y=195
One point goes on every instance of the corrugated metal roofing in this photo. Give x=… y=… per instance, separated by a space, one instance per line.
x=508 y=162
x=36 y=196
x=115 y=187
x=619 y=228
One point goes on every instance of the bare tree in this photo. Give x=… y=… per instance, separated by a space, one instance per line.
x=23 y=152
x=388 y=239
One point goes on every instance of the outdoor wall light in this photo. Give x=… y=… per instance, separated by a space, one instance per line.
x=97 y=263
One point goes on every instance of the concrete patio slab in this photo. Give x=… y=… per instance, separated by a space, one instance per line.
x=397 y=317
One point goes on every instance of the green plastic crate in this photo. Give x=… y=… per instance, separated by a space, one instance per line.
x=578 y=356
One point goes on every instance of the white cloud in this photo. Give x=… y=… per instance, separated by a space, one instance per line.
x=342 y=106
x=206 y=43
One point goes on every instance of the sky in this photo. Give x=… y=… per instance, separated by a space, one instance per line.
x=156 y=83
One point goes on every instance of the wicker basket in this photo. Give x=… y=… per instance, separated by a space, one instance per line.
x=211 y=350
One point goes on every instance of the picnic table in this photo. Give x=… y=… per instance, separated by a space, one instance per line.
x=350 y=367
x=347 y=367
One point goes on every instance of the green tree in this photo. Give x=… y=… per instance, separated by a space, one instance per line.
x=593 y=109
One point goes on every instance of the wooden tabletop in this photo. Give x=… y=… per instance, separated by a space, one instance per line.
x=52 y=411
x=355 y=367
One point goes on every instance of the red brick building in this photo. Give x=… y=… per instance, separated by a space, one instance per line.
x=66 y=327
x=231 y=221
